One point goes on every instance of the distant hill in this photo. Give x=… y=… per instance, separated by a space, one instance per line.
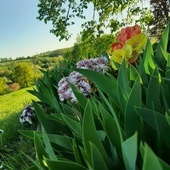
x=53 y=53
x=43 y=61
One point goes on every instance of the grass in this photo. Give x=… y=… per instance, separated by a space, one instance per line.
x=14 y=102
x=12 y=144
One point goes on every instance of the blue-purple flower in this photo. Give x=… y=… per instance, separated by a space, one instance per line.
x=77 y=79
x=27 y=114
x=95 y=64
x=64 y=90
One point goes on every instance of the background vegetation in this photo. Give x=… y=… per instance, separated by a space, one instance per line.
x=12 y=144
x=24 y=72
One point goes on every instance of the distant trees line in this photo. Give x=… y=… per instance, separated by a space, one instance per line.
x=54 y=53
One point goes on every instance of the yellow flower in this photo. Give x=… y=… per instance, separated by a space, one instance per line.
x=128 y=51
x=138 y=43
x=120 y=54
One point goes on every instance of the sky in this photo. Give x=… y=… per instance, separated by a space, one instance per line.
x=22 y=35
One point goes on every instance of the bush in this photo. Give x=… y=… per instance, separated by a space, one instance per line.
x=3 y=86
x=14 y=86
x=23 y=74
x=124 y=124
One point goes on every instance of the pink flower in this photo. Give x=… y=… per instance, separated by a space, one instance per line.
x=95 y=64
x=116 y=46
x=127 y=33
x=131 y=43
x=64 y=90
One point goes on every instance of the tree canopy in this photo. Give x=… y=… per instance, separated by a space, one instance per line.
x=106 y=15
x=23 y=74
x=160 y=10
x=2 y=85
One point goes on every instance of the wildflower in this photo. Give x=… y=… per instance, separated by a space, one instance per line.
x=77 y=79
x=83 y=84
x=95 y=64
x=27 y=114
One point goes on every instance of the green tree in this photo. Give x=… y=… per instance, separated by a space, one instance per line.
x=106 y=14
x=77 y=52
x=92 y=47
x=23 y=74
x=3 y=86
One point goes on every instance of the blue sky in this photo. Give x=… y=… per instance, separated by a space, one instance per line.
x=21 y=34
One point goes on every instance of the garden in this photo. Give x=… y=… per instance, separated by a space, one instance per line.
x=102 y=104
x=107 y=112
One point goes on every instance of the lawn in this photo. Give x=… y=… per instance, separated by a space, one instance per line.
x=14 y=102
x=12 y=144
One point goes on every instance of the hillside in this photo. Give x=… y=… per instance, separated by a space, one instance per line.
x=53 y=53
x=42 y=61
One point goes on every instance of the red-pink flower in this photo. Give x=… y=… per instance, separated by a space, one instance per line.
x=127 y=33
x=116 y=46
x=130 y=44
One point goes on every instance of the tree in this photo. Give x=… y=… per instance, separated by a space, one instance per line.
x=5 y=59
x=106 y=14
x=161 y=13
x=3 y=86
x=23 y=74
x=92 y=47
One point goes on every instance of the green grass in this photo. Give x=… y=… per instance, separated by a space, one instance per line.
x=12 y=144
x=14 y=102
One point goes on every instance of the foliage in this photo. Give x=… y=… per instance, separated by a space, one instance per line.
x=89 y=47
x=23 y=74
x=3 y=86
x=105 y=15
x=46 y=60
x=160 y=10
x=124 y=125
x=5 y=59
x=12 y=144
x=12 y=155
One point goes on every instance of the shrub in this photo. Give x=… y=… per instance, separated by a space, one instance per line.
x=14 y=86
x=23 y=74
x=125 y=124
x=3 y=86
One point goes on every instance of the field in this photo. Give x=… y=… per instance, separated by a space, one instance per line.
x=13 y=102
x=12 y=144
